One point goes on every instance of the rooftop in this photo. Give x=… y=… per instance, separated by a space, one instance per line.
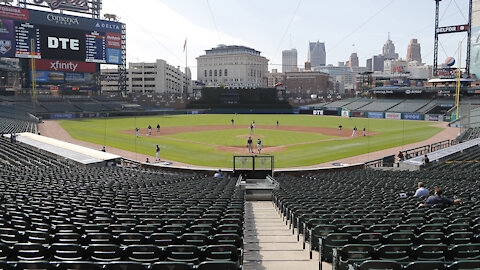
x=231 y=49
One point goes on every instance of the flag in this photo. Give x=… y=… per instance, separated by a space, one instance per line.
x=185 y=45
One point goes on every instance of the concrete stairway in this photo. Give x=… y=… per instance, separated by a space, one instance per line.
x=269 y=244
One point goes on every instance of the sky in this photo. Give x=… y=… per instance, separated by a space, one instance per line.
x=157 y=29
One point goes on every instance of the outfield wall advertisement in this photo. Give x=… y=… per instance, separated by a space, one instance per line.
x=395 y=116
x=433 y=117
x=26 y=33
x=412 y=116
x=378 y=115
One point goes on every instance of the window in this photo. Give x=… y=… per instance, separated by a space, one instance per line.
x=220 y=72
x=210 y=73
x=205 y=73
x=215 y=72
x=226 y=73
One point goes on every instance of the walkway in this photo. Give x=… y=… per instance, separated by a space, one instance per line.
x=270 y=245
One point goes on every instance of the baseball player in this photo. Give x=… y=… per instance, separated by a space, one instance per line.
x=259 y=145
x=354 y=131
x=277 y=123
x=340 y=130
x=157 y=153
x=249 y=145
x=149 y=130
x=136 y=132
x=233 y=122
x=251 y=128
x=364 y=130
x=158 y=127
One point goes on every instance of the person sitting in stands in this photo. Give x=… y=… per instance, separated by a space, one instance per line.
x=421 y=191
x=218 y=174
x=438 y=200
x=425 y=161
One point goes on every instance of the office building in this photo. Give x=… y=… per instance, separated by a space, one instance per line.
x=232 y=66
x=414 y=51
x=289 y=60
x=389 y=50
x=317 y=55
x=156 y=77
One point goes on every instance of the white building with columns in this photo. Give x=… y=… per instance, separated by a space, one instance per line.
x=233 y=66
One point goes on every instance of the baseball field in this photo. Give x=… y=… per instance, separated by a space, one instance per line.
x=212 y=140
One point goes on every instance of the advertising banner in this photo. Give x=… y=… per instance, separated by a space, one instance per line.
x=62 y=43
x=378 y=115
x=107 y=26
x=60 y=20
x=14 y=13
x=317 y=112
x=7 y=38
x=62 y=116
x=412 y=116
x=114 y=56
x=78 y=77
x=433 y=117
x=61 y=65
x=345 y=113
x=390 y=115
x=114 y=41
x=49 y=76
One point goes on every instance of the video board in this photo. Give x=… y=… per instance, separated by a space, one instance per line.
x=26 y=33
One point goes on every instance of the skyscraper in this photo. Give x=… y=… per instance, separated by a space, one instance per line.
x=378 y=63
x=289 y=60
x=389 y=50
x=414 y=51
x=316 y=54
x=353 y=60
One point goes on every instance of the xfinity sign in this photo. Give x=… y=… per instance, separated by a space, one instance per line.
x=63 y=43
x=452 y=29
x=63 y=66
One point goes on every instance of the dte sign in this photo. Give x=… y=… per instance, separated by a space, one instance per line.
x=63 y=43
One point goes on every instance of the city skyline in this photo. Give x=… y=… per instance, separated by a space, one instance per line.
x=344 y=27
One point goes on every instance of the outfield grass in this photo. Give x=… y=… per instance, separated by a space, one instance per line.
x=393 y=133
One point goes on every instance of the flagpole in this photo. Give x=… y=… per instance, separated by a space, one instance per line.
x=186 y=68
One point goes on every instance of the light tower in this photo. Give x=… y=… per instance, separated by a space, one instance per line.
x=435 y=44
x=449 y=30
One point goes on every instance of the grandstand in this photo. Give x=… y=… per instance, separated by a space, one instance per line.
x=357 y=104
x=407 y=106
x=58 y=215
x=380 y=105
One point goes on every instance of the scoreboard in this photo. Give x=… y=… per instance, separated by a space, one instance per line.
x=26 y=33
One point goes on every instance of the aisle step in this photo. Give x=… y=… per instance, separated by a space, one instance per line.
x=270 y=245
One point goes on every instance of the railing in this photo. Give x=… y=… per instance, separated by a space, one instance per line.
x=239 y=181
x=415 y=152
x=440 y=145
x=377 y=163
x=273 y=182
x=130 y=163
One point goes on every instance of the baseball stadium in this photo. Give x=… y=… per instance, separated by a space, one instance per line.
x=217 y=176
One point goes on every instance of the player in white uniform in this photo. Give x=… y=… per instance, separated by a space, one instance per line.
x=259 y=146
